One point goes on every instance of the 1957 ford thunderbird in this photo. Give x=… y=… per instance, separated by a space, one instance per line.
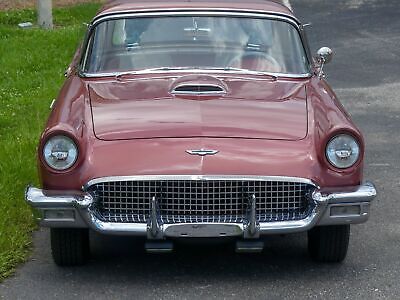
x=199 y=119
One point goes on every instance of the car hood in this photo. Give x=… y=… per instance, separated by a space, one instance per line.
x=138 y=108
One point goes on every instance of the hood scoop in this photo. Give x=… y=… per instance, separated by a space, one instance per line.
x=198 y=85
x=198 y=89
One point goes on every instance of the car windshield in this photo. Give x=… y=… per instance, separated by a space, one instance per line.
x=217 y=42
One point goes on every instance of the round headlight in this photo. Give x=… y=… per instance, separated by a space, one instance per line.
x=60 y=152
x=342 y=151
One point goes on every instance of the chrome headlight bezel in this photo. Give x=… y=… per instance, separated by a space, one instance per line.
x=60 y=152
x=343 y=151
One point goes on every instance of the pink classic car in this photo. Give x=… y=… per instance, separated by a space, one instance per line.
x=199 y=119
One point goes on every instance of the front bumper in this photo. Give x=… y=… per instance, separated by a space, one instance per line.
x=64 y=210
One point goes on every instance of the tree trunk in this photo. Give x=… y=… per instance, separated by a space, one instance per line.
x=45 y=15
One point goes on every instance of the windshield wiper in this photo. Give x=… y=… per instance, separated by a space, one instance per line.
x=149 y=70
x=226 y=69
x=245 y=71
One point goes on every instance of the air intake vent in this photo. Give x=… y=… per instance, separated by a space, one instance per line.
x=191 y=201
x=198 y=89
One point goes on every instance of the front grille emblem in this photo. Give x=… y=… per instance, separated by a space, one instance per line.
x=202 y=152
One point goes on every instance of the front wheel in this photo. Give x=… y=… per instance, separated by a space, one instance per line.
x=70 y=247
x=329 y=243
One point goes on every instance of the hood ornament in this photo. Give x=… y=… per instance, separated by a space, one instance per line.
x=202 y=152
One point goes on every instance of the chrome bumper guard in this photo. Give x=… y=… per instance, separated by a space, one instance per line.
x=60 y=210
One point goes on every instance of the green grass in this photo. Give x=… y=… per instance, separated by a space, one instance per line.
x=32 y=63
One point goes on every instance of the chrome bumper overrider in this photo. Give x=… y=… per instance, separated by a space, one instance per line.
x=75 y=210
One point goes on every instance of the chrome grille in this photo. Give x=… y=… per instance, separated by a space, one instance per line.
x=201 y=200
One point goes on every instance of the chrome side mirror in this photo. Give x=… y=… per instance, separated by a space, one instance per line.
x=324 y=56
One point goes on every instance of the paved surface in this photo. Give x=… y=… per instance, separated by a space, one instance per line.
x=365 y=73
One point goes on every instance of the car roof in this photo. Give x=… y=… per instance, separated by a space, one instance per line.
x=268 y=6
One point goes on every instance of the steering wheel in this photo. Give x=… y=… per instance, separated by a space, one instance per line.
x=255 y=61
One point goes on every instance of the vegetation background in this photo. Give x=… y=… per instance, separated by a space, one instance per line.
x=32 y=64
x=18 y=4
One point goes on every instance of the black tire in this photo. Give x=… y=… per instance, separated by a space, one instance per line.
x=70 y=247
x=329 y=243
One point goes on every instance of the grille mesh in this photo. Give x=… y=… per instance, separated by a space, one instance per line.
x=201 y=200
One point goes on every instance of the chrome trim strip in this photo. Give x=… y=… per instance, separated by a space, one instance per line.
x=197 y=178
x=197 y=11
x=196 y=71
x=182 y=11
